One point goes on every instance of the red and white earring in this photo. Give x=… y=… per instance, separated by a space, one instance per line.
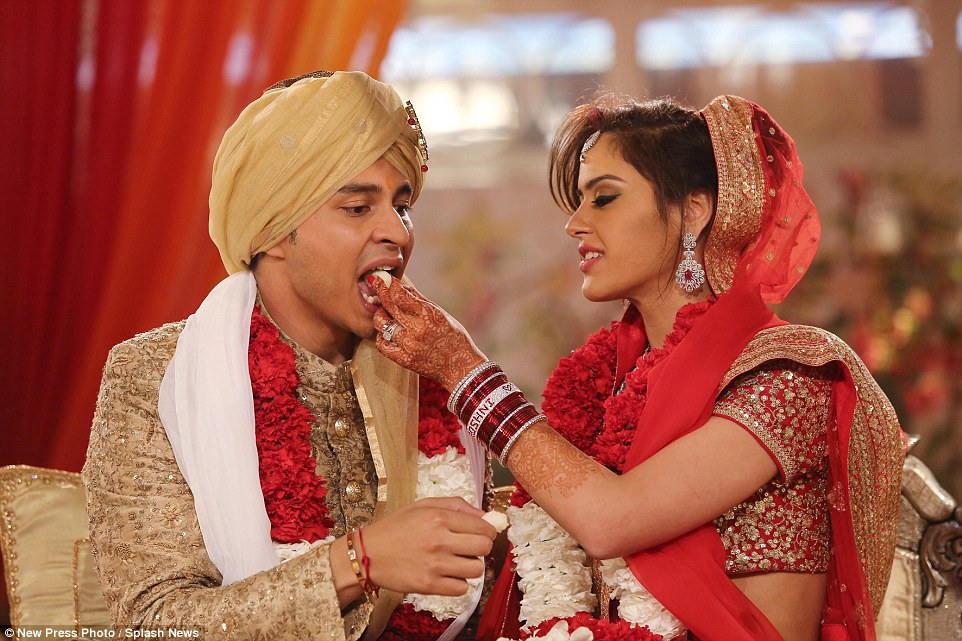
x=690 y=275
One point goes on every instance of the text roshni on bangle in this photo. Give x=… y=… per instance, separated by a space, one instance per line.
x=489 y=403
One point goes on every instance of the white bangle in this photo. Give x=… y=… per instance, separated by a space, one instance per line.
x=487 y=405
x=503 y=459
x=463 y=383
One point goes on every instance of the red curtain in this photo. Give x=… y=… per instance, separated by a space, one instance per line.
x=110 y=113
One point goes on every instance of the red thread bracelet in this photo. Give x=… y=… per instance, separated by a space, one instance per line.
x=370 y=587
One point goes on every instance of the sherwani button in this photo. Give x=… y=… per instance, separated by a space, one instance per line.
x=352 y=491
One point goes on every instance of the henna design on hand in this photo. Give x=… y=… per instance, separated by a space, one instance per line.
x=543 y=460
x=429 y=341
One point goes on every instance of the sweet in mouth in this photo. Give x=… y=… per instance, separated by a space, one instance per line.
x=384 y=273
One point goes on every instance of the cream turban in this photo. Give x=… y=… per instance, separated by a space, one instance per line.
x=293 y=148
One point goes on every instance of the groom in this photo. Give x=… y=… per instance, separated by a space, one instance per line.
x=266 y=427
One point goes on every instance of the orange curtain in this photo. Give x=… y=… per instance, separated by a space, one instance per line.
x=112 y=111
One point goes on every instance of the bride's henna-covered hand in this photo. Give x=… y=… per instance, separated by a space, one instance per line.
x=428 y=340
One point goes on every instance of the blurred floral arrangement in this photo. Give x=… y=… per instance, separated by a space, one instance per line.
x=888 y=280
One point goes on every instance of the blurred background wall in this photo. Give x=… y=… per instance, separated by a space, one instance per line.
x=111 y=110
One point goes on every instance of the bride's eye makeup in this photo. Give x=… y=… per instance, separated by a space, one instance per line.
x=602 y=200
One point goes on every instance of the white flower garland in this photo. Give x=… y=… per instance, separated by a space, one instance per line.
x=559 y=632
x=445 y=474
x=635 y=603
x=555 y=578
x=552 y=568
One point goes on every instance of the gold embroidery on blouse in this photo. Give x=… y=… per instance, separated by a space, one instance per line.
x=876 y=449
x=784 y=526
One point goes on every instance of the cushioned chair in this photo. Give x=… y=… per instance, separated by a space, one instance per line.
x=51 y=580
x=924 y=598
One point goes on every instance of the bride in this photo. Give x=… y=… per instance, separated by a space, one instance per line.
x=701 y=469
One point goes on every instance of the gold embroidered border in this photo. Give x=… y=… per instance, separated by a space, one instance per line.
x=75 y=579
x=15 y=480
x=787 y=464
x=741 y=187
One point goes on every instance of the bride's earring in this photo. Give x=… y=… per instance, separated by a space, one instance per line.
x=690 y=275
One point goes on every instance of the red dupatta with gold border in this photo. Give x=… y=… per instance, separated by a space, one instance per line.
x=865 y=450
x=762 y=241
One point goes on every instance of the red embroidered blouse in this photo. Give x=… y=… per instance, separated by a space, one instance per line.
x=784 y=525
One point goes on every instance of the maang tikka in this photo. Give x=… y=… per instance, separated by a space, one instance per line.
x=589 y=143
x=690 y=275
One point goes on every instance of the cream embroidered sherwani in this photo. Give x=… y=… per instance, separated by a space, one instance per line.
x=153 y=565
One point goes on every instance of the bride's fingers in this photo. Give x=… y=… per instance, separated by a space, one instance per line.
x=382 y=319
x=397 y=298
x=392 y=349
x=383 y=293
x=387 y=338
x=414 y=291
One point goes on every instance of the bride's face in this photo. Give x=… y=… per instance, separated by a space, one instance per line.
x=627 y=249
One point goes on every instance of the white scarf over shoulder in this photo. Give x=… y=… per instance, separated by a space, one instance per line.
x=207 y=408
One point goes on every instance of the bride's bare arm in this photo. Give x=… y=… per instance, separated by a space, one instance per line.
x=688 y=483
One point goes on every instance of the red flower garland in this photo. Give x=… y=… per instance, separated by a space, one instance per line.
x=294 y=494
x=575 y=394
x=603 y=630
x=579 y=404
x=407 y=624
x=438 y=428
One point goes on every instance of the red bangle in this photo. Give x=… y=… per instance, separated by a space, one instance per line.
x=513 y=438
x=499 y=414
x=476 y=393
x=491 y=410
x=370 y=587
x=470 y=379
